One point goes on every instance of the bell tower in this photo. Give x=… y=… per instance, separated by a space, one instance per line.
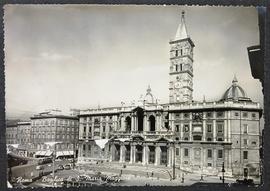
x=181 y=65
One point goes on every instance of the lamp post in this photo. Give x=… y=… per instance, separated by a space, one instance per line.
x=173 y=161
x=53 y=144
x=223 y=171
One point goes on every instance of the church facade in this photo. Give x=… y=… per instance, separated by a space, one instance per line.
x=183 y=134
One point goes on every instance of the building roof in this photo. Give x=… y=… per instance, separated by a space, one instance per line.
x=235 y=92
x=54 y=116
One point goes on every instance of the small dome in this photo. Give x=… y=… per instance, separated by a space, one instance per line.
x=235 y=92
x=149 y=98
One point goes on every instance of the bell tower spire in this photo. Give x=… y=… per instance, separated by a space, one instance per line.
x=181 y=65
x=181 y=32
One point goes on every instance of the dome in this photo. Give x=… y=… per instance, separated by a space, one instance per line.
x=149 y=98
x=235 y=92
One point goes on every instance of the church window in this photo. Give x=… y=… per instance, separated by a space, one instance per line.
x=181 y=51
x=176 y=68
x=186 y=152
x=220 y=154
x=177 y=151
x=177 y=128
x=209 y=114
x=209 y=153
x=245 y=154
x=209 y=128
x=186 y=115
x=245 y=114
x=253 y=115
x=245 y=128
x=245 y=141
x=181 y=67
x=186 y=128
x=176 y=53
x=220 y=128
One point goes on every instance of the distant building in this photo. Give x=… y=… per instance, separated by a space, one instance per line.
x=11 y=133
x=47 y=128
x=23 y=132
x=193 y=136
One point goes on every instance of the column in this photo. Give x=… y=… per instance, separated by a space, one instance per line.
x=123 y=125
x=190 y=130
x=170 y=156
x=215 y=157
x=122 y=153
x=157 y=122
x=229 y=126
x=181 y=130
x=214 y=130
x=132 y=153
x=112 y=155
x=204 y=129
x=226 y=127
x=145 y=127
x=145 y=155
x=157 y=155
x=204 y=156
x=132 y=123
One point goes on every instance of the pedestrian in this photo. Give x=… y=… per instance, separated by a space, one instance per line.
x=152 y=174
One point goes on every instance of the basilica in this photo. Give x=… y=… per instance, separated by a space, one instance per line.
x=189 y=135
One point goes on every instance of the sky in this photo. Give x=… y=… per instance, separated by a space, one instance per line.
x=85 y=56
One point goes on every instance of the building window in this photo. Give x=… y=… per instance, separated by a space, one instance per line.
x=177 y=115
x=186 y=138
x=89 y=147
x=186 y=128
x=245 y=141
x=209 y=153
x=209 y=164
x=220 y=114
x=176 y=53
x=245 y=154
x=84 y=129
x=245 y=114
x=177 y=151
x=103 y=128
x=186 y=115
x=177 y=128
x=220 y=128
x=176 y=68
x=84 y=147
x=253 y=143
x=186 y=152
x=236 y=114
x=245 y=130
x=253 y=115
x=220 y=154
x=209 y=114
x=209 y=128
x=209 y=139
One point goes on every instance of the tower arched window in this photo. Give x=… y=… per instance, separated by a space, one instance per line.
x=176 y=53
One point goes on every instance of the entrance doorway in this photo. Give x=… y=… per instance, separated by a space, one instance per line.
x=152 y=154
x=163 y=159
x=128 y=124
x=245 y=172
x=127 y=157
x=139 y=153
x=117 y=153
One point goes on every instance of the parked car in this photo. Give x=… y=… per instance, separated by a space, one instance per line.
x=61 y=167
x=39 y=167
x=67 y=167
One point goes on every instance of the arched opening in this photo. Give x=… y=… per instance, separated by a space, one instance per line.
x=140 y=119
x=128 y=124
x=139 y=153
x=152 y=122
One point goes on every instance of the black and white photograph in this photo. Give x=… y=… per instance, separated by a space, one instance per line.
x=133 y=95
